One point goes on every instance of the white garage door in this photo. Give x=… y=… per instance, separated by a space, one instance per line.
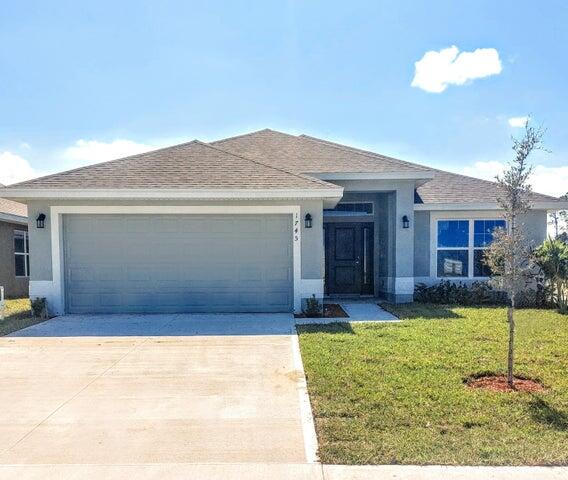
x=178 y=263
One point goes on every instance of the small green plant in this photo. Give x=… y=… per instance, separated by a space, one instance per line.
x=39 y=308
x=313 y=308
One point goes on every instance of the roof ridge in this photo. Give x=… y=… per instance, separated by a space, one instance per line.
x=366 y=153
x=317 y=181
x=234 y=137
x=106 y=162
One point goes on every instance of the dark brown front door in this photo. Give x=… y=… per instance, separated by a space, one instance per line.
x=349 y=258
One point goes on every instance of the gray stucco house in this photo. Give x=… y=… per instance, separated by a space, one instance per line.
x=14 y=248
x=254 y=223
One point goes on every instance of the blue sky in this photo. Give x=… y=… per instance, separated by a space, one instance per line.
x=82 y=82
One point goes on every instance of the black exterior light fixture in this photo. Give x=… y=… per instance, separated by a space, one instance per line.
x=308 y=221
x=405 y=222
x=40 y=220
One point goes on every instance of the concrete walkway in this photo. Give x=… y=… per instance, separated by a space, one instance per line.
x=367 y=311
x=358 y=311
x=155 y=389
x=251 y=471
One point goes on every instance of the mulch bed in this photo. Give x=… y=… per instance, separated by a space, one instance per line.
x=498 y=383
x=334 y=310
x=330 y=310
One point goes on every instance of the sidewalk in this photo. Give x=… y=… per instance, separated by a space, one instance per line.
x=278 y=472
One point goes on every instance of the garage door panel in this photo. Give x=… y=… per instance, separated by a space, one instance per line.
x=274 y=225
x=81 y=226
x=110 y=299
x=167 y=263
x=278 y=274
x=109 y=224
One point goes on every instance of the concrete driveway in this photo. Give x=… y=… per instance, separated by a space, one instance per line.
x=153 y=389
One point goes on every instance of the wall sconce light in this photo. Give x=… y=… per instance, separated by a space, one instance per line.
x=308 y=221
x=40 y=220
x=405 y=222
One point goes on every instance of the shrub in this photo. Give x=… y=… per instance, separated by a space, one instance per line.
x=39 y=308
x=313 y=307
x=481 y=293
x=476 y=293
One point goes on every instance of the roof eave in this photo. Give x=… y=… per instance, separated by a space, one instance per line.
x=400 y=175
x=11 y=218
x=538 y=205
x=25 y=194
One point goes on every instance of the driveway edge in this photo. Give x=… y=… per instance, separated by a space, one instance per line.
x=306 y=417
x=435 y=472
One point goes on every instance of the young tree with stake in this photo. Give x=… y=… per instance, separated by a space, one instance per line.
x=509 y=256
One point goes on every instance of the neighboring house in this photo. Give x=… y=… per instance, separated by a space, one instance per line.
x=255 y=223
x=14 y=248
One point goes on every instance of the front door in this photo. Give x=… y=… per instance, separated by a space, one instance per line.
x=349 y=258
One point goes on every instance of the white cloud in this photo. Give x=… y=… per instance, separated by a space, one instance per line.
x=548 y=180
x=85 y=152
x=14 y=168
x=518 y=122
x=436 y=70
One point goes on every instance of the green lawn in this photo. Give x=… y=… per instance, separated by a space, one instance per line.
x=17 y=315
x=394 y=393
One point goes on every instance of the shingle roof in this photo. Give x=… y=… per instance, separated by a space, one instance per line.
x=193 y=165
x=263 y=160
x=308 y=154
x=448 y=187
x=304 y=154
x=10 y=207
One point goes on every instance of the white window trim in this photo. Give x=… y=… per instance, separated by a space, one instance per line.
x=55 y=289
x=457 y=215
x=25 y=253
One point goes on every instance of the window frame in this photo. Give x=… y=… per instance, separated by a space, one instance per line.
x=25 y=253
x=471 y=217
x=331 y=212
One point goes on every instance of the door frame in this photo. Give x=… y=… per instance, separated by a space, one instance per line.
x=54 y=289
x=366 y=288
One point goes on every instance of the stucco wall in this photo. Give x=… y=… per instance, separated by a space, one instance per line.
x=395 y=254
x=421 y=244
x=381 y=244
x=13 y=286
x=312 y=239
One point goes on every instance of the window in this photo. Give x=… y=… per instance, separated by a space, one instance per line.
x=22 y=253
x=350 y=209
x=453 y=236
x=460 y=247
x=482 y=238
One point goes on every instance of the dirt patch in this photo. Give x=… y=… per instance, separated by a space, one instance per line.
x=330 y=310
x=498 y=383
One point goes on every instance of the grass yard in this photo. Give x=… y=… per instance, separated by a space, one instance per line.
x=395 y=393
x=17 y=315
